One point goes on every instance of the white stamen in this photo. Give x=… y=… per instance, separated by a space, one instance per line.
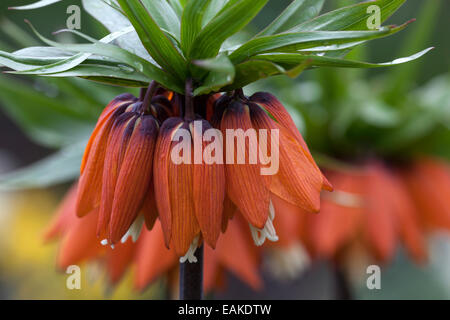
x=105 y=242
x=189 y=256
x=268 y=232
x=135 y=230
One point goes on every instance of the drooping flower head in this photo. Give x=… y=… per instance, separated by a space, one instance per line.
x=143 y=162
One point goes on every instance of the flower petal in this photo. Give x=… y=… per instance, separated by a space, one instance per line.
x=80 y=243
x=407 y=219
x=338 y=221
x=119 y=259
x=149 y=209
x=115 y=151
x=246 y=187
x=380 y=224
x=119 y=101
x=90 y=183
x=282 y=116
x=229 y=210
x=208 y=188
x=134 y=177
x=428 y=181
x=161 y=174
x=153 y=259
x=64 y=216
x=236 y=252
x=184 y=223
x=297 y=176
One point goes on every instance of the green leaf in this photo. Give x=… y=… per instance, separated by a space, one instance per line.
x=154 y=39
x=73 y=61
x=36 y=5
x=63 y=166
x=290 y=42
x=227 y=22
x=290 y=60
x=114 y=20
x=164 y=15
x=221 y=74
x=297 y=12
x=48 y=121
x=177 y=6
x=27 y=58
x=123 y=56
x=16 y=34
x=118 y=76
x=353 y=17
x=191 y=22
x=253 y=70
x=214 y=7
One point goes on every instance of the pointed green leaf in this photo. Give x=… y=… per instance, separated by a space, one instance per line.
x=253 y=70
x=297 y=12
x=177 y=6
x=154 y=39
x=122 y=56
x=221 y=74
x=73 y=61
x=214 y=7
x=114 y=20
x=353 y=17
x=164 y=15
x=36 y=5
x=191 y=22
x=114 y=75
x=227 y=22
x=290 y=42
x=290 y=60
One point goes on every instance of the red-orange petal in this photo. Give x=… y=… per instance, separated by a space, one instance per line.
x=208 y=188
x=237 y=253
x=229 y=210
x=161 y=174
x=337 y=224
x=149 y=209
x=407 y=219
x=380 y=224
x=184 y=222
x=134 y=177
x=119 y=101
x=153 y=259
x=64 y=216
x=297 y=175
x=90 y=183
x=119 y=259
x=115 y=152
x=80 y=243
x=246 y=187
x=287 y=222
x=428 y=181
x=282 y=116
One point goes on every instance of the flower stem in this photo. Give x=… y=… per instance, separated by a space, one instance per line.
x=343 y=287
x=149 y=94
x=189 y=103
x=191 y=278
